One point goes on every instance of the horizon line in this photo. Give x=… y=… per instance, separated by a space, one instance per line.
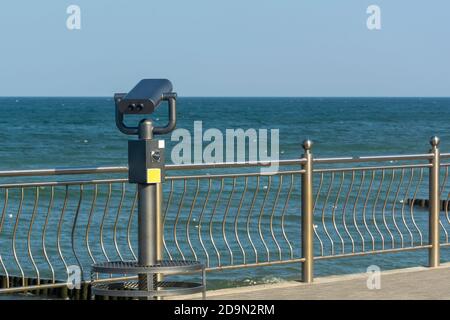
x=241 y=97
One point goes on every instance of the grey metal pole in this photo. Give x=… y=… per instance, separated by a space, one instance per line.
x=159 y=232
x=307 y=214
x=147 y=219
x=435 y=204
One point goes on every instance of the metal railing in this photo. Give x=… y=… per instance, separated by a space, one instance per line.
x=225 y=215
x=234 y=220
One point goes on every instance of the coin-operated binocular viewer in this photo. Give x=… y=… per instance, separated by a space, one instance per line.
x=146 y=168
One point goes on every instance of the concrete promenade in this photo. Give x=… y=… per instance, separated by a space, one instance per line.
x=412 y=283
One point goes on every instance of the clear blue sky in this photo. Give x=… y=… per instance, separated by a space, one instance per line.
x=226 y=47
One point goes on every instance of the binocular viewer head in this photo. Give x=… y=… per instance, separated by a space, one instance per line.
x=144 y=98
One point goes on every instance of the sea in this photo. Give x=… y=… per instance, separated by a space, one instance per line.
x=49 y=132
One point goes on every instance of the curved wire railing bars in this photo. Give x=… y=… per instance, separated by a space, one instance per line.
x=231 y=221
x=366 y=209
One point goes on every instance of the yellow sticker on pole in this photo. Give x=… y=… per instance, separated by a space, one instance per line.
x=154 y=175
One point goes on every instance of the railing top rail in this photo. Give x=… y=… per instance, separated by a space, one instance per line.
x=62 y=171
x=223 y=165
x=124 y=169
x=61 y=183
x=371 y=168
x=424 y=156
x=235 y=175
x=218 y=165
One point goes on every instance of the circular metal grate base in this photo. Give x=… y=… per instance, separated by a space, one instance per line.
x=131 y=289
x=132 y=267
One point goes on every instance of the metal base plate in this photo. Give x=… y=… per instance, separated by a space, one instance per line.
x=131 y=289
x=132 y=267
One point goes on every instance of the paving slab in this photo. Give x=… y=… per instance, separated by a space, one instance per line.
x=404 y=284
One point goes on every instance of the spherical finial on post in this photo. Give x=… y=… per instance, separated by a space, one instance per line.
x=307 y=144
x=434 y=141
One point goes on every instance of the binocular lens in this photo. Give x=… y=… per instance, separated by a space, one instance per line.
x=138 y=108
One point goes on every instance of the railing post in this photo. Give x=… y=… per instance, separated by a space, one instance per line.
x=307 y=214
x=434 y=204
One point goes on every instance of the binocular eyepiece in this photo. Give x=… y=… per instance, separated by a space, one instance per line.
x=144 y=98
